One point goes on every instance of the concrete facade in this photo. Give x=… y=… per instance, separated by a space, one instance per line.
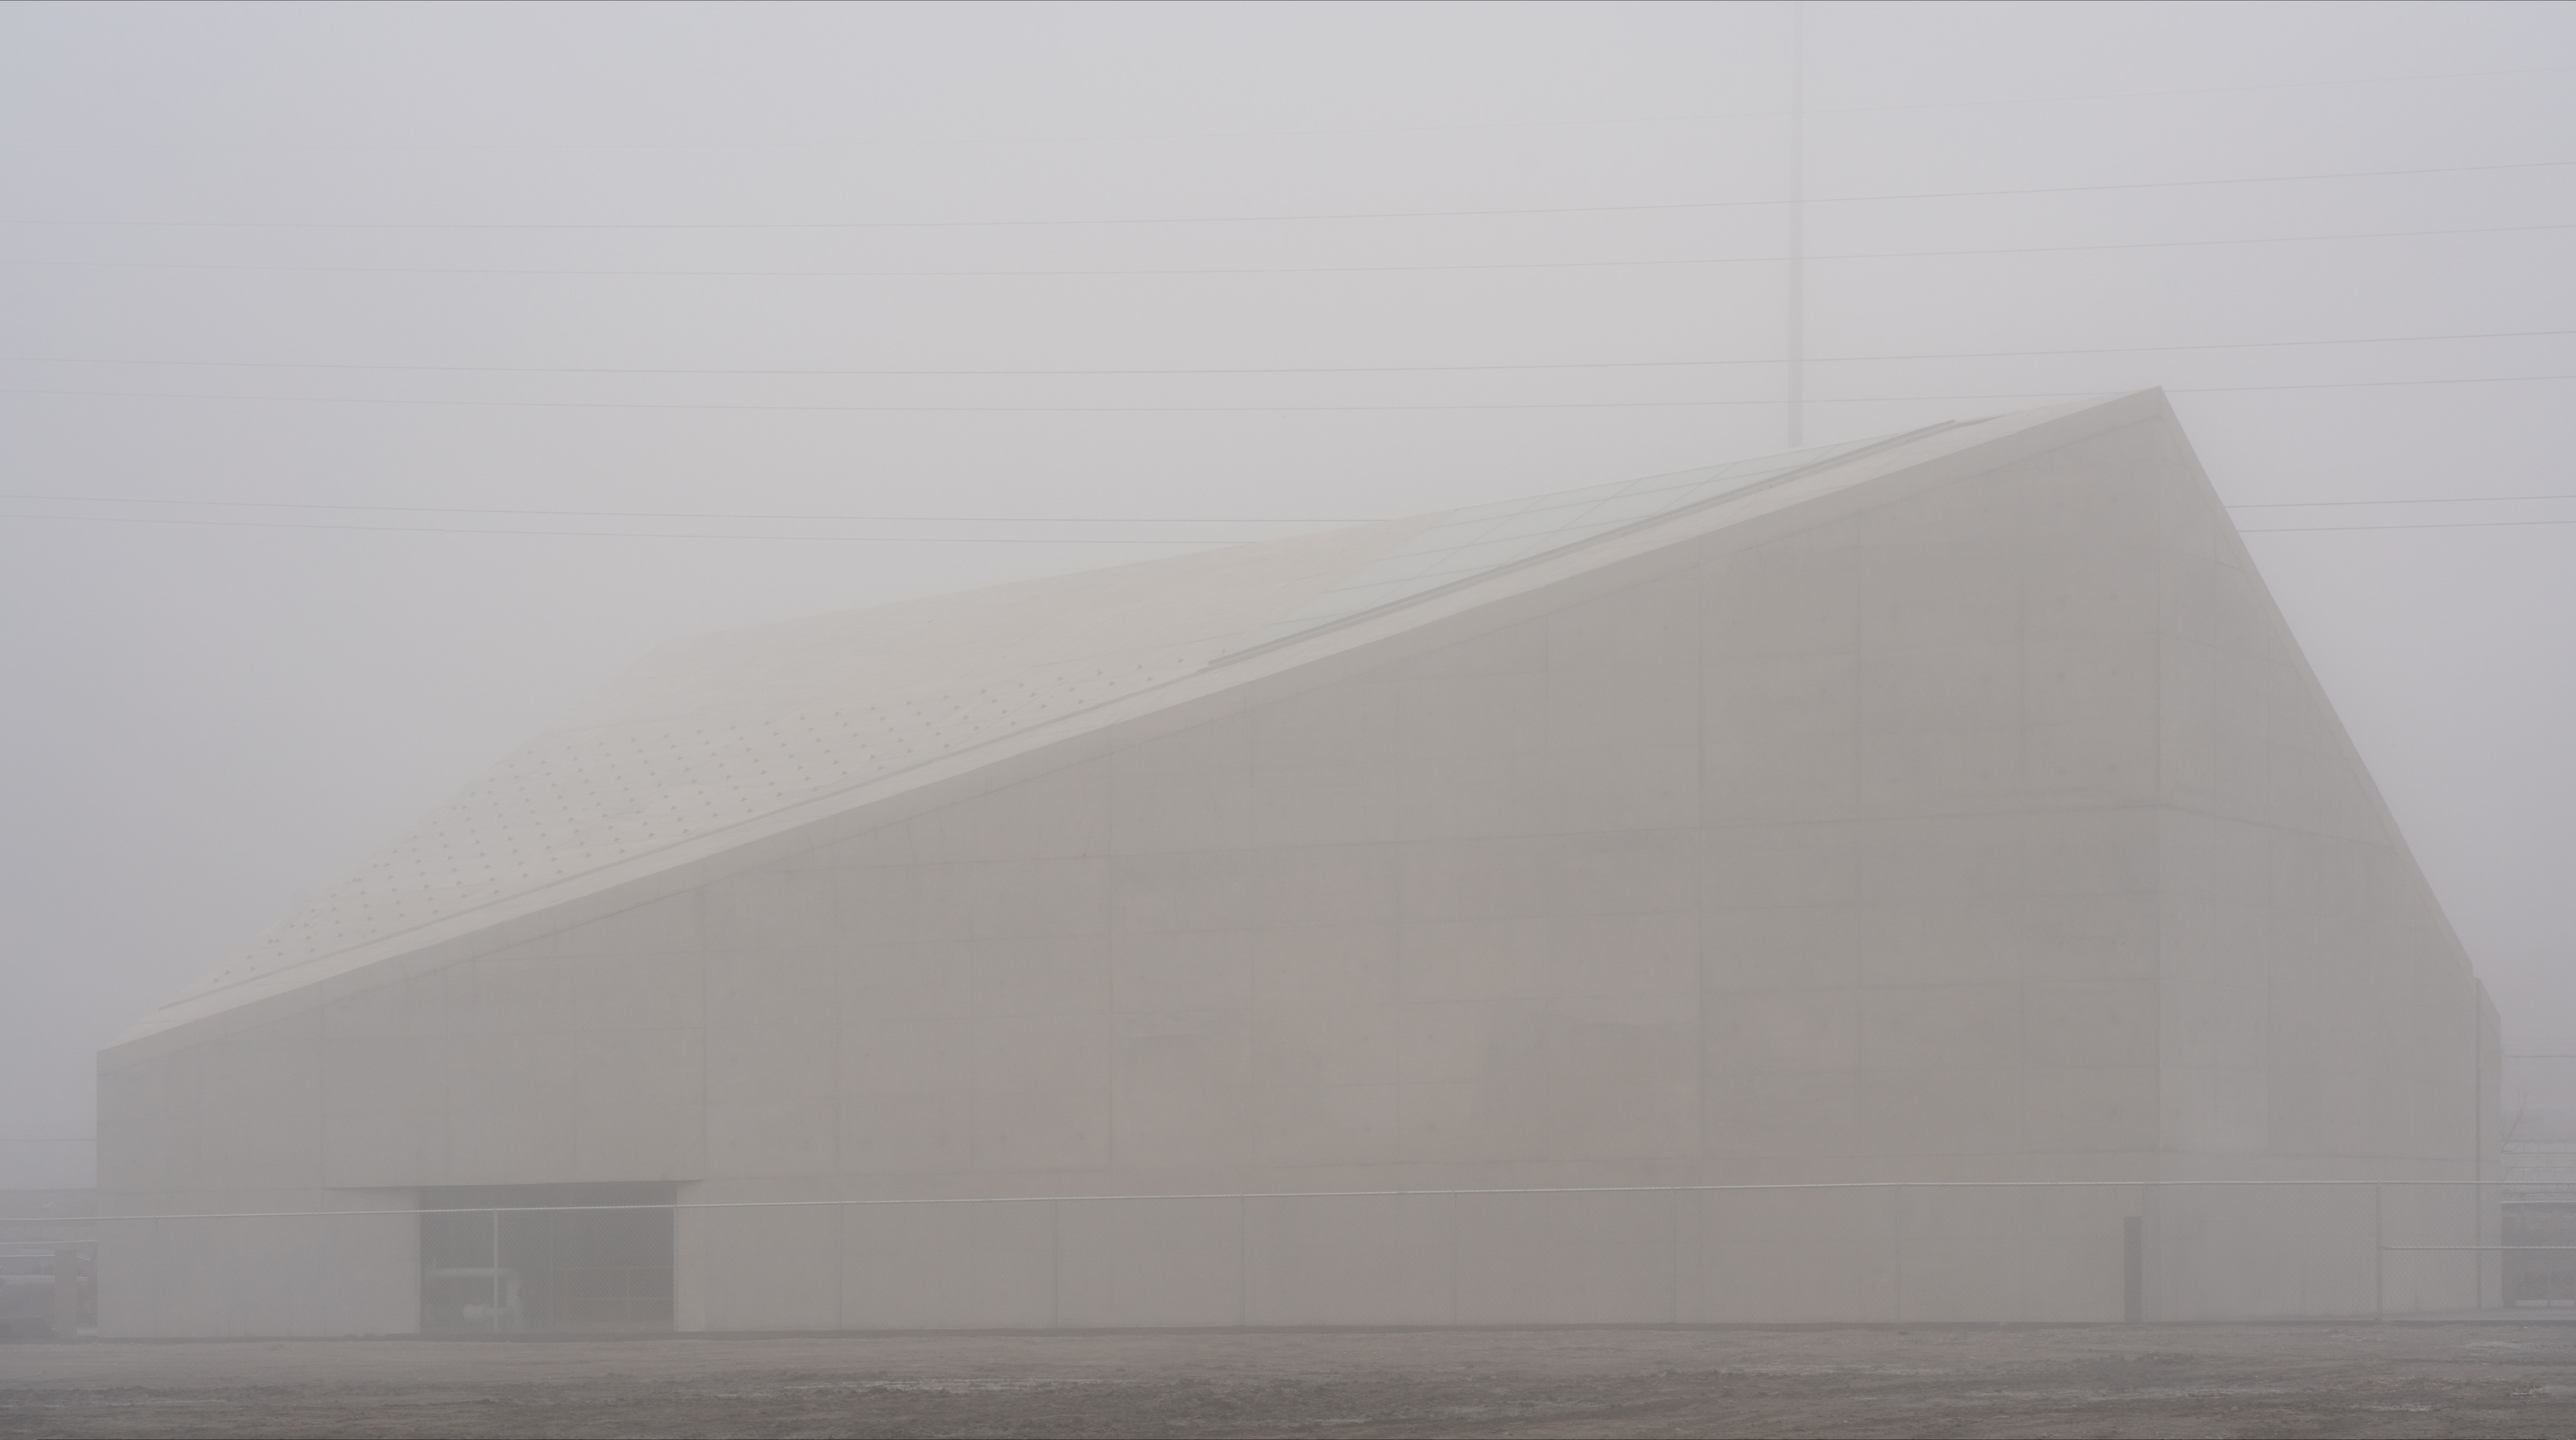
x=1956 y=810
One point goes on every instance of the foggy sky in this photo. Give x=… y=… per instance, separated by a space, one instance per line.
x=209 y=721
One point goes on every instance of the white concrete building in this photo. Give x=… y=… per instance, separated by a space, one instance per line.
x=1954 y=807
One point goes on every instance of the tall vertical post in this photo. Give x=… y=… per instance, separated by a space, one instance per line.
x=494 y=1314
x=1797 y=377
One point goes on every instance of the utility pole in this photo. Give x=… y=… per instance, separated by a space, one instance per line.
x=1797 y=396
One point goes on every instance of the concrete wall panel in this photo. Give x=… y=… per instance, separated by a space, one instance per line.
x=1990 y=827
x=948 y=1267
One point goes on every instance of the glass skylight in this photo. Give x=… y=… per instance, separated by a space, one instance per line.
x=1475 y=542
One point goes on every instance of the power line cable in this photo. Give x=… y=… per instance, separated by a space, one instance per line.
x=1236 y=409
x=897 y=409
x=2332 y=385
x=1268 y=218
x=2192 y=90
x=1229 y=270
x=2425 y=525
x=967 y=539
x=994 y=519
x=725 y=514
x=1262 y=369
x=631 y=534
x=1355 y=130
x=2425 y=500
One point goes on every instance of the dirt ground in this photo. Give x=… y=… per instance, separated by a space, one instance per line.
x=2468 y=1378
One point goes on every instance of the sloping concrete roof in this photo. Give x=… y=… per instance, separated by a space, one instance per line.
x=711 y=732
x=1462 y=546
x=722 y=732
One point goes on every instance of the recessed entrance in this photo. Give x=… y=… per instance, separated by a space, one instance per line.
x=502 y=1259
x=2540 y=1278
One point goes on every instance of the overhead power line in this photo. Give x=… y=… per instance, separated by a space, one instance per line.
x=894 y=409
x=1167 y=136
x=1235 y=409
x=2422 y=525
x=2424 y=500
x=635 y=534
x=2338 y=385
x=2193 y=90
x=989 y=519
x=1277 y=217
x=1222 y=270
x=1258 y=369
x=727 y=514
x=957 y=539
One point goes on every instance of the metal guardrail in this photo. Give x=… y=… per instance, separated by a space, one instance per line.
x=501 y=1303
x=1899 y=1185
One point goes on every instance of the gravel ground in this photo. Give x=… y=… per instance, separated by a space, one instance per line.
x=2481 y=1377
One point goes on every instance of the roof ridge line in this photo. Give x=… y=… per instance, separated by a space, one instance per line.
x=1339 y=622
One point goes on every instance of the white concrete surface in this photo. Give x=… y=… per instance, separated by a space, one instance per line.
x=1961 y=812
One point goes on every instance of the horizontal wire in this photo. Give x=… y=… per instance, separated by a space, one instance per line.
x=1223 y=542
x=1283 y=217
x=721 y=514
x=625 y=534
x=1240 y=409
x=2325 y=385
x=908 y=409
x=2191 y=90
x=985 y=519
x=1264 y=369
x=1185 y=136
x=2416 y=525
x=2427 y=500
x=1762 y=1185
x=1076 y=273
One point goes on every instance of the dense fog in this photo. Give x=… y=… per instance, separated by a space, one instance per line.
x=383 y=379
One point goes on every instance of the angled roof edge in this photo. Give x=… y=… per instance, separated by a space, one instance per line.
x=2223 y=527
x=2017 y=434
x=1966 y=448
x=700 y=736
x=1826 y=457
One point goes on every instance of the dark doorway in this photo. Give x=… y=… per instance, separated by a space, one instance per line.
x=498 y=1259
x=2540 y=1278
